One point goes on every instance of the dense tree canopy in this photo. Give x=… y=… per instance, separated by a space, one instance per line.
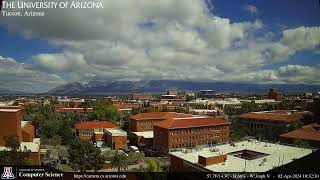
x=83 y=155
x=120 y=161
x=56 y=128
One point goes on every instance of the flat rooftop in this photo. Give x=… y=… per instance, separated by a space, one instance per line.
x=33 y=147
x=270 y=156
x=145 y=134
x=116 y=132
x=23 y=123
x=9 y=110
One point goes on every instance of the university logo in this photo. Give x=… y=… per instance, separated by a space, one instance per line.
x=7 y=173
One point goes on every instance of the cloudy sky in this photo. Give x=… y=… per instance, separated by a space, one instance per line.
x=220 y=40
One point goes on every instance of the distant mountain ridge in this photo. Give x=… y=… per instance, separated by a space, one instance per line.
x=10 y=92
x=160 y=86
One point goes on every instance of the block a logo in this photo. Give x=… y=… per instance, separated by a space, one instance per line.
x=7 y=173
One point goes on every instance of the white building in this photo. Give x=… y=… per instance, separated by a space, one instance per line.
x=244 y=156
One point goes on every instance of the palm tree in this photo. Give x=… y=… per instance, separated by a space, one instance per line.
x=120 y=161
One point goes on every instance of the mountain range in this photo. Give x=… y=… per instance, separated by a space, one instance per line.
x=161 y=86
x=10 y=92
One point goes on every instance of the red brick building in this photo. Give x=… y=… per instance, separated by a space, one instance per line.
x=309 y=133
x=144 y=138
x=12 y=125
x=116 y=138
x=102 y=132
x=141 y=96
x=170 y=107
x=145 y=121
x=273 y=123
x=125 y=107
x=189 y=132
x=172 y=98
x=274 y=94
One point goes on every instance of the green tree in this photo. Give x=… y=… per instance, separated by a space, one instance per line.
x=120 y=161
x=238 y=131
x=83 y=155
x=181 y=110
x=14 y=155
x=125 y=122
x=151 y=169
x=284 y=106
x=189 y=98
x=296 y=125
x=16 y=103
x=105 y=111
x=248 y=107
x=108 y=155
x=135 y=157
x=152 y=166
x=53 y=127
x=66 y=131
x=301 y=143
x=314 y=107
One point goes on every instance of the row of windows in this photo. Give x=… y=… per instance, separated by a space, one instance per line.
x=258 y=121
x=193 y=144
x=149 y=122
x=252 y=125
x=146 y=127
x=188 y=138
x=87 y=134
x=197 y=130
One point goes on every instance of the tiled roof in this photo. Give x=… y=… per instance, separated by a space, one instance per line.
x=280 y=115
x=190 y=122
x=159 y=115
x=308 y=132
x=95 y=125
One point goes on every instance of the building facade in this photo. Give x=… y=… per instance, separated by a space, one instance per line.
x=145 y=121
x=270 y=124
x=102 y=132
x=309 y=133
x=141 y=96
x=189 y=132
x=12 y=125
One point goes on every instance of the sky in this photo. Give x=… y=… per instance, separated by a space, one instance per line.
x=266 y=41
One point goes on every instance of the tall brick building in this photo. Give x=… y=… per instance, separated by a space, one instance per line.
x=145 y=121
x=189 y=132
x=12 y=125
